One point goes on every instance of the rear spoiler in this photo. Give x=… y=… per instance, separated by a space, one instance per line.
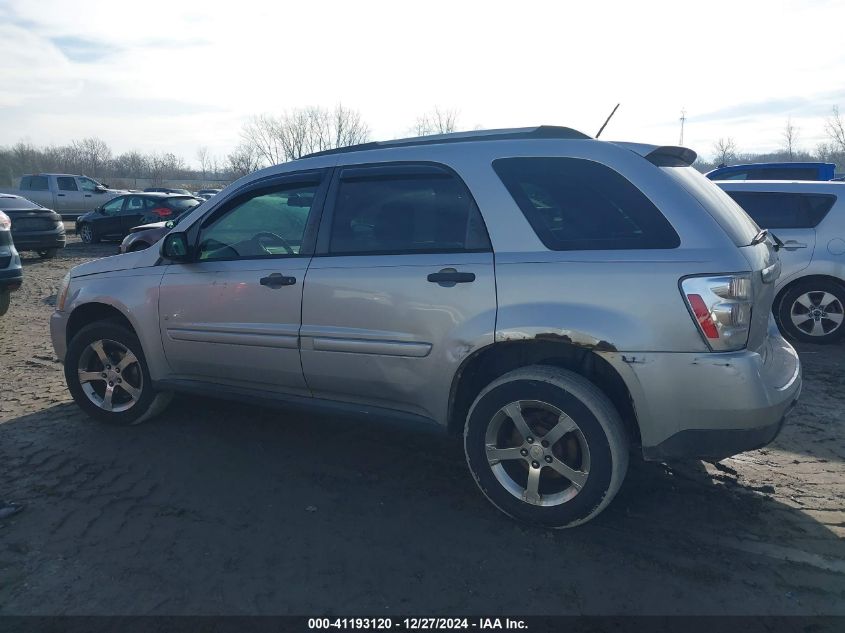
x=671 y=156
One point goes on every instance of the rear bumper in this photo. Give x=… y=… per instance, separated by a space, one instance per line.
x=40 y=240
x=711 y=405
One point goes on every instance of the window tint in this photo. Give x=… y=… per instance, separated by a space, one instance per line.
x=405 y=213
x=35 y=183
x=737 y=175
x=113 y=207
x=86 y=184
x=784 y=210
x=265 y=224
x=66 y=183
x=784 y=173
x=182 y=204
x=134 y=204
x=575 y=204
x=17 y=203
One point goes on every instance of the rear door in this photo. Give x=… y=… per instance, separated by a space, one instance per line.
x=402 y=285
x=68 y=195
x=233 y=314
x=132 y=213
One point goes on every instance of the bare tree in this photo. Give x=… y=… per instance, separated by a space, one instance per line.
x=244 y=159
x=834 y=126
x=94 y=154
x=204 y=159
x=436 y=122
x=790 y=137
x=165 y=166
x=264 y=135
x=724 y=150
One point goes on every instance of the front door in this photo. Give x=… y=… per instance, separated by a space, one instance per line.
x=233 y=315
x=108 y=221
x=402 y=287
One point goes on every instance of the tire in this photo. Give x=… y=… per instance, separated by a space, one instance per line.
x=812 y=311
x=593 y=449
x=5 y=300
x=48 y=253
x=138 y=246
x=99 y=350
x=86 y=233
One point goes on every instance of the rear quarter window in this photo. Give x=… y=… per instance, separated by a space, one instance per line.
x=577 y=204
x=783 y=210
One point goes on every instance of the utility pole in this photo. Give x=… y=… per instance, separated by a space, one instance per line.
x=683 y=120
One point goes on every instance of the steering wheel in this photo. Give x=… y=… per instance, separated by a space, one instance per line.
x=276 y=238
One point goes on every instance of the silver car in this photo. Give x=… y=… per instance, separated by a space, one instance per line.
x=809 y=218
x=559 y=302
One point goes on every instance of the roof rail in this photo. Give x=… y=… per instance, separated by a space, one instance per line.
x=539 y=132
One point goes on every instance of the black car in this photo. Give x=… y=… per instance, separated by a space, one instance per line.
x=34 y=228
x=114 y=219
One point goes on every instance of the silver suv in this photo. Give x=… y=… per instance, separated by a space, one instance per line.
x=557 y=300
x=809 y=219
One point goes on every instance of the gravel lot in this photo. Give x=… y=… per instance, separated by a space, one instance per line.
x=219 y=508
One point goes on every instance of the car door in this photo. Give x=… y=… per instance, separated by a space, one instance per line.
x=788 y=216
x=232 y=315
x=91 y=196
x=132 y=212
x=107 y=223
x=68 y=195
x=401 y=289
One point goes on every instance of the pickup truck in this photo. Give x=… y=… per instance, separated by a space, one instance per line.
x=774 y=171
x=67 y=194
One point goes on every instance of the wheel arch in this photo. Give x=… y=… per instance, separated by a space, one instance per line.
x=802 y=279
x=87 y=313
x=488 y=363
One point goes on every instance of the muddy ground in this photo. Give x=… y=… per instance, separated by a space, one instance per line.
x=220 y=508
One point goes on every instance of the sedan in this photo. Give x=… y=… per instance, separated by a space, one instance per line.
x=34 y=228
x=115 y=218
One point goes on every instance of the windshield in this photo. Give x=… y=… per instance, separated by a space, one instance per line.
x=736 y=223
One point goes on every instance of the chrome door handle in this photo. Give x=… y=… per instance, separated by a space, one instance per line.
x=277 y=280
x=792 y=245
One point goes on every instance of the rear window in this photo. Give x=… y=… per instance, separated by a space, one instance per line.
x=34 y=183
x=576 y=204
x=734 y=221
x=180 y=204
x=17 y=203
x=773 y=210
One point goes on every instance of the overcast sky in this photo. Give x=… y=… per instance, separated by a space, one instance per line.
x=175 y=75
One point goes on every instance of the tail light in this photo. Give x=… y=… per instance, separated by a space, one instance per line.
x=162 y=212
x=721 y=308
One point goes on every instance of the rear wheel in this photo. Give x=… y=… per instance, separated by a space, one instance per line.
x=812 y=311
x=107 y=375
x=546 y=446
x=48 y=253
x=86 y=233
x=5 y=300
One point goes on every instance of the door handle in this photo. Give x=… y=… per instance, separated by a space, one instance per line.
x=448 y=277
x=277 y=280
x=793 y=245
x=87 y=195
x=60 y=195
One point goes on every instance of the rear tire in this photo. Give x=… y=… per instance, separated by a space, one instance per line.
x=546 y=446
x=812 y=311
x=107 y=375
x=5 y=300
x=48 y=253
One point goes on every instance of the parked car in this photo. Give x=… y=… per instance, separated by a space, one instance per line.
x=629 y=305
x=115 y=218
x=144 y=236
x=183 y=192
x=34 y=228
x=809 y=218
x=775 y=171
x=11 y=271
x=208 y=192
x=68 y=194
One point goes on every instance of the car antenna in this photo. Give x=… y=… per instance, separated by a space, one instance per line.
x=601 y=129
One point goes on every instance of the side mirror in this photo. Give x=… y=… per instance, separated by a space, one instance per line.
x=100 y=189
x=175 y=247
x=101 y=210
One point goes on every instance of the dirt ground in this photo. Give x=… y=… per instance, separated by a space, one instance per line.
x=217 y=508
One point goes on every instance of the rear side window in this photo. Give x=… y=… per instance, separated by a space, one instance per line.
x=575 y=204
x=181 y=204
x=405 y=213
x=34 y=183
x=784 y=210
x=784 y=173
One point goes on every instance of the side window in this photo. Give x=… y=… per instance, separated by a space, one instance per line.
x=431 y=212
x=66 y=183
x=737 y=175
x=134 y=204
x=576 y=204
x=266 y=223
x=113 y=206
x=88 y=185
x=26 y=183
x=784 y=210
x=38 y=183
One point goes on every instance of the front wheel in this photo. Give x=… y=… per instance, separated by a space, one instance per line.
x=107 y=375
x=48 y=253
x=86 y=232
x=812 y=311
x=546 y=446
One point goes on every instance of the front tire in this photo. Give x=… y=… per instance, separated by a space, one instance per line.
x=812 y=311
x=546 y=446
x=48 y=253
x=86 y=233
x=107 y=375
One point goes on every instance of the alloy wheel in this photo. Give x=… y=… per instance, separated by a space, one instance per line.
x=110 y=375
x=816 y=313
